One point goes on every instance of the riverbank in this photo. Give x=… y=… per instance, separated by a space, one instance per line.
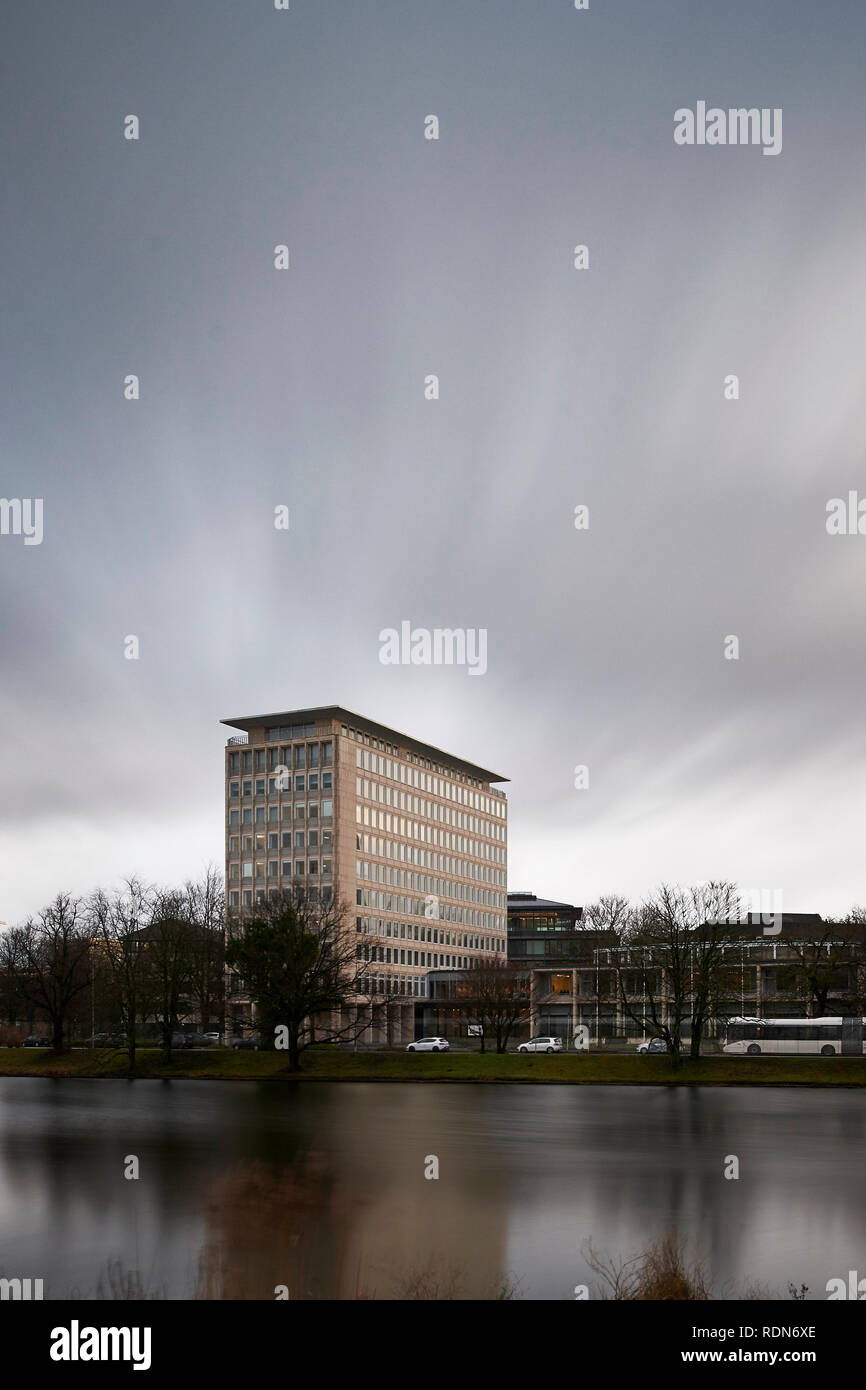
x=331 y=1064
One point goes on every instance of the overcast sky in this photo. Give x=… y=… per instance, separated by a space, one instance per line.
x=558 y=387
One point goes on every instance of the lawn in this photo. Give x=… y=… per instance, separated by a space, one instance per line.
x=330 y=1064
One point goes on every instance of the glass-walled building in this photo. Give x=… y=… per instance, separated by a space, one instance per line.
x=566 y=959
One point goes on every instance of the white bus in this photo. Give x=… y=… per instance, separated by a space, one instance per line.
x=803 y=1037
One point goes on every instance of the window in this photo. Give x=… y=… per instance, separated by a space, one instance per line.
x=260 y=759
x=327 y=778
x=299 y=784
x=313 y=813
x=260 y=786
x=248 y=788
x=248 y=815
x=260 y=815
x=234 y=818
x=313 y=755
x=273 y=841
x=299 y=868
x=300 y=755
x=313 y=867
x=247 y=870
x=327 y=753
x=234 y=764
x=313 y=782
x=313 y=839
x=248 y=762
x=272 y=868
x=327 y=809
x=287 y=839
x=299 y=839
x=234 y=789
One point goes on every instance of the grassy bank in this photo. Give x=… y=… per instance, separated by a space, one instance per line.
x=328 y=1064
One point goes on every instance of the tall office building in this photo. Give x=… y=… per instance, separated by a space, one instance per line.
x=411 y=840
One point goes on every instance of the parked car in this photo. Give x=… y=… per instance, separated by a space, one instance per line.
x=327 y=1041
x=242 y=1044
x=654 y=1045
x=212 y=1037
x=541 y=1045
x=36 y=1040
x=108 y=1040
x=428 y=1045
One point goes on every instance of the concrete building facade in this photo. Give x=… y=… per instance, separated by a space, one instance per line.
x=411 y=840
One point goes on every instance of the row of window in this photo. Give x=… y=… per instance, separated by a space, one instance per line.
x=300 y=755
x=393 y=984
x=430 y=810
x=291 y=731
x=792 y=1032
x=286 y=868
x=300 y=783
x=429 y=834
x=299 y=839
x=433 y=887
x=436 y=786
x=438 y=936
x=399 y=955
x=244 y=897
x=430 y=859
x=247 y=815
x=419 y=907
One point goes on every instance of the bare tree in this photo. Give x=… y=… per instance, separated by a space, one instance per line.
x=11 y=968
x=820 y=966
x=498 y=1000
x=53 y=953
x=676 y=946
x=612 y=912
x=206 y=911
x=172 y=945
x=120 y=921
x=298 y=964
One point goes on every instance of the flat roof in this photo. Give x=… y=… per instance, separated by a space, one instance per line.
x=528 y=902
x=369 y=726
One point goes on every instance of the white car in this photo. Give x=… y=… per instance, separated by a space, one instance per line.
x=428 y=1045
x=654 y=1045
x=541 y=1045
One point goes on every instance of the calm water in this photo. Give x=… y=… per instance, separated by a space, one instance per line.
x=321 y=1187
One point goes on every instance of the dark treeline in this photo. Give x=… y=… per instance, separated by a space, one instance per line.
x=132 y=963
